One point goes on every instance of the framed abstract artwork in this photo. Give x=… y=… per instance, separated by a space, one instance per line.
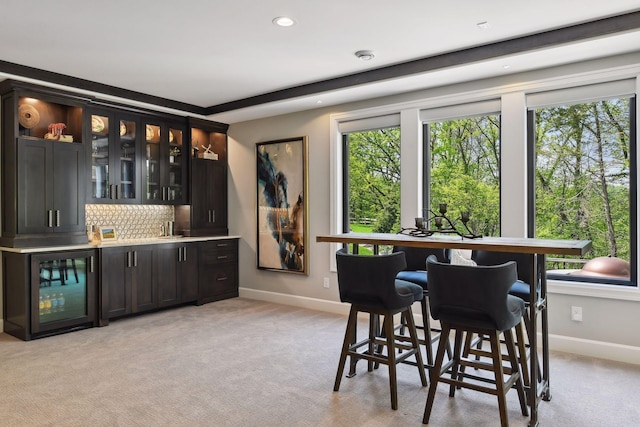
x=281 y=171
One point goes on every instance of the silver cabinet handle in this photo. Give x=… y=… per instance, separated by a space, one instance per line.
x=222 y=279
x=222 y=245
x=49 y=218
x=223 y=256
x=57 y=218
x=213 y=216
x=135 y=258
x=129 y=259
x=184 y=257
x=91 y=264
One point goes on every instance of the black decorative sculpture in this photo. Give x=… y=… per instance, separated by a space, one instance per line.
x=442 y=223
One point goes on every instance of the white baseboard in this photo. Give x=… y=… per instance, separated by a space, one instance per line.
x=597 y=349
x=590 y=348
x=297 y=301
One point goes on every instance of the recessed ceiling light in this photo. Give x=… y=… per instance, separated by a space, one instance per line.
x=484 y=25
x=365 y=55
x=506 y=66
x=283 y=21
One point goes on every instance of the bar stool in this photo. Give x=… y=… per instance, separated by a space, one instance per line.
x=475 y=299
x=369 y=284
x=415 y=272
x=520 y=288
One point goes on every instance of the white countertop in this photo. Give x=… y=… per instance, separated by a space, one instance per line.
x=122 y=242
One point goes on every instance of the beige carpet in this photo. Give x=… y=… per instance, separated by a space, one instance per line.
x=241 y=362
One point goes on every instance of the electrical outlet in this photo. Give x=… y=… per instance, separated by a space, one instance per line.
x=325 y=282
x=576 y=313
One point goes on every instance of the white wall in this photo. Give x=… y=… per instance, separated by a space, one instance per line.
x=610 y=323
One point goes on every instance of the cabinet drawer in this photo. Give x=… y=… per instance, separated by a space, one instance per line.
x=218 y=282
x=219 y=251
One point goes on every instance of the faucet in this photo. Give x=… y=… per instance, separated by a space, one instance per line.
x=162 y=230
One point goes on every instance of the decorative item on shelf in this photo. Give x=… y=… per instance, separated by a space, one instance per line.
x=173 y=153
x=123 y=128
x=28 y=116
x=55 y=132
x=97 y=124
x=150 y=133
x=208 y=154
x=107 y=233
x=442 y=223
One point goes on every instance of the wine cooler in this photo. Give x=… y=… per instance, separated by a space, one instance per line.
x=49 y=293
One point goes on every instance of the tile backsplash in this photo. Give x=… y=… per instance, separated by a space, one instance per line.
x=130 y=221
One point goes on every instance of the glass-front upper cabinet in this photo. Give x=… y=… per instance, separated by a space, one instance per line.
x=115 y=144
x=165 y=163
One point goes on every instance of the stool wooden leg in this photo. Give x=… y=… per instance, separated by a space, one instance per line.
x=522 y=353
x=511 y=350
x=496 y=356
x=413 y=333
x=373 y=332
x=391 y=355
x=456 y=371
x=349 y=338
x=435 y=372
x=426 y=321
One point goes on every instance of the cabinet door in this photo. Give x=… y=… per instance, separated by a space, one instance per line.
x=177 y=273
x=63 y=290
x=177 y=161
x=166 y=163
x=167 y=259
x=154 y=191
x=209 y=204
x=68 y=187
x=34 y=189
x=115 y=288
x=100 y=156
x=188 y=273
x=141 y=275
x=113 y=157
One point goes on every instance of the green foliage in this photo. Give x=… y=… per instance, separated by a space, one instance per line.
x=374 y=178
x=465 y=170
x=582 y=175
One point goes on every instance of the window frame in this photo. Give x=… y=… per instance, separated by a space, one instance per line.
x=454 y=112
x=633 y=184
x=375 y=123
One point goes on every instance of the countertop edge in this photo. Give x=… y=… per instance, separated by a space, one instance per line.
x=123 y=242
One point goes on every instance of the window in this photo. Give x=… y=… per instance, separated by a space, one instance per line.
x=584 y=184
x=371 y=175
x=462 y=165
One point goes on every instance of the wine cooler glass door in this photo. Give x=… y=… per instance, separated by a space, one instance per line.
x=63 y=291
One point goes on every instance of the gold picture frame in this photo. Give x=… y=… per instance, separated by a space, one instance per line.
x=282 y=205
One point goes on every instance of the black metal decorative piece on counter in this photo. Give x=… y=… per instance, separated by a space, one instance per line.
x=443 y=225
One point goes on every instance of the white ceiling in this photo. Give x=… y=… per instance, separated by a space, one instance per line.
x=207 y=53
